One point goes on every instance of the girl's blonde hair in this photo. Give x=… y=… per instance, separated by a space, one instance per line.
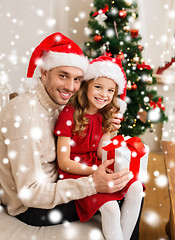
x=81 y=104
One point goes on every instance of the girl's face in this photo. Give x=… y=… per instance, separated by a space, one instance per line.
x=100 y=93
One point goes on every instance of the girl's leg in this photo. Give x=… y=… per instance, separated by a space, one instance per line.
x=131 y=208
x=110 y=214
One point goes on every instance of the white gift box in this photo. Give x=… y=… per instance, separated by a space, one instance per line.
x=122 y=158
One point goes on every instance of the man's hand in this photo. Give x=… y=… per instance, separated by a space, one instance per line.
x=117 y=117
x=110 y=183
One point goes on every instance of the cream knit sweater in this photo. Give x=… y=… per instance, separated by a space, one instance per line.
x=28 y=174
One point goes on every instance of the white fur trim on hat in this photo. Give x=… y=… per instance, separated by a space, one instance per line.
x=122 y=104
x=56 y=59
x=106 y=69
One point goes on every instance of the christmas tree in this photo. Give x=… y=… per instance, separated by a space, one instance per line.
x=112 y=34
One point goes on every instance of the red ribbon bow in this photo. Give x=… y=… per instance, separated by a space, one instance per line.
x=104 y=10
x=143 y=66
x=157 y=104
x=136 y=147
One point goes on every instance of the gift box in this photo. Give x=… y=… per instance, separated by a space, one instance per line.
x=128 y=152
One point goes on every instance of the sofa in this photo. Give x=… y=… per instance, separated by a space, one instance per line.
x=13 y=229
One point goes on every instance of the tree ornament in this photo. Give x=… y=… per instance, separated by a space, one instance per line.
x=103 y=49
x=140 y=47
x=134 y=86
x=142 y=115
x=134 y=33
x=151 y=96
x=122 y=13
x=115 y=29
x=127 y=28
x=136 y=59
x=101 y=11
x=129 y=86
x=157 y=104
x=108 y=53
x=143 y=66
x=113 y=11
x=100 y=19
x=100 y=15
x=97 y=38
x=134 y=15
x=93 y=53
x=149 y=80
x=128 y=2
x=121 y=55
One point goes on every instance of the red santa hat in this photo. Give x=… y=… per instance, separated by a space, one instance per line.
x=54 y=51
x=109 y=67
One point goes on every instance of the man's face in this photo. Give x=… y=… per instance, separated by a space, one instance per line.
x=62 y=82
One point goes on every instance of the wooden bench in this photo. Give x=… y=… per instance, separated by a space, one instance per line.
x=169 y=157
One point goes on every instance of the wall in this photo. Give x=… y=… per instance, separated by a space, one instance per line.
x=73 y=18
x=157 y=27
x=23 y=24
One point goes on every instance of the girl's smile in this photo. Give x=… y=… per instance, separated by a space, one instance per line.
x=100 y=99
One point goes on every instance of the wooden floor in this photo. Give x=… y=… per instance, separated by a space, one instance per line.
x=155 y=213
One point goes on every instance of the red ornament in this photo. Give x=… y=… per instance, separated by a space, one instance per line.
x=122 y=13
x=101 y=11
x=134 y=33
x=121 y=55
x=134 y=86
x=97 y=38
x=157 y=104
x=107 y=53
x=140 y=47
x=143 y=66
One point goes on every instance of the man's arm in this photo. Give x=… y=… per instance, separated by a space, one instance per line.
x=116 y=121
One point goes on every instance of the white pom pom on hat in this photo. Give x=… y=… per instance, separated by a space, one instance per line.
x=109 y=67
x=122 y=104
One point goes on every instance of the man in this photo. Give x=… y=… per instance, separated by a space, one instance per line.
x=28 y=174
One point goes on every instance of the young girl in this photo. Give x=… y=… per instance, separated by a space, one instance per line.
x=81 y=128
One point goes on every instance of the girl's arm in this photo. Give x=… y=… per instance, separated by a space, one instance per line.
x=105 y=137
x=64 y=161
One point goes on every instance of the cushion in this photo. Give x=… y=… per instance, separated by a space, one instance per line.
x=13 y=229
